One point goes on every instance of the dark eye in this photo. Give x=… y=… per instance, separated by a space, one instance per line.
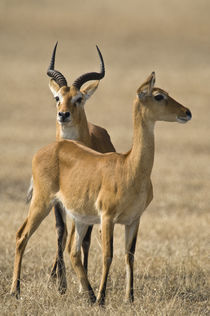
x=159 y=97
x=56 y=98
x=79 y=100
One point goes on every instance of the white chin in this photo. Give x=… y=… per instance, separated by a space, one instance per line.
x=62 y=123
x=181 y=120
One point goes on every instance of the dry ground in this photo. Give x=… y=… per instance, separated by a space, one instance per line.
x=136 y=37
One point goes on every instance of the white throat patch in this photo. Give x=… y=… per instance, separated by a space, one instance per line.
x=69 y=132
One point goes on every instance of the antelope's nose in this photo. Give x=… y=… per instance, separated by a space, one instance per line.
x=63 y=115
x=189 y=115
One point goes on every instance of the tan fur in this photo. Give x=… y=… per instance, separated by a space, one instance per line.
x=111 y=188
x=91 y=135
x=95 y=137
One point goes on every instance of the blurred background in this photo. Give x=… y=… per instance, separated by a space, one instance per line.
x=136 y=38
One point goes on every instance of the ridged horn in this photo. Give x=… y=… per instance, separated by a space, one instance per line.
x=91 y=75
x=56 y=75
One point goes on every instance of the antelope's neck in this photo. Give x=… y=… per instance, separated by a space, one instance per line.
x=78 y=132
x=141 y=156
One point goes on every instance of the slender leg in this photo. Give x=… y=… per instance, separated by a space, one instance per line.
x=60 y=217
x=130 y=244
x=86 y=247
x=37 y=212
x=71 y=237
x=75 y=256
x=85 y=243
x=107 y=248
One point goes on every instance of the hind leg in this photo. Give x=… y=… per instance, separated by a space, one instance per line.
x=85 y=243
x=37 y=212
x=86 y=247
x=75 y=257
x=59 y=264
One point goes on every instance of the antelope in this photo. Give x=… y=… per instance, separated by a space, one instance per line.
x=72 y=123
x=101 y=188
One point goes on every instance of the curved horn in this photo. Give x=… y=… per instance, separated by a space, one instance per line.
x=56 y=75
x=91 y=75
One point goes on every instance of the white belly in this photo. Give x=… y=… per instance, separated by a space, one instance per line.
x=85 y=219
x=126 y=212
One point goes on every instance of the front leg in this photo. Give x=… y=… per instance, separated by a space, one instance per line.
x=107 y=248
x=131 y=232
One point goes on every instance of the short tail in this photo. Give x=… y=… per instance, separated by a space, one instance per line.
x=30 y=191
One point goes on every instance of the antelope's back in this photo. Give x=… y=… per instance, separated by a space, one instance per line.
x=100 y=139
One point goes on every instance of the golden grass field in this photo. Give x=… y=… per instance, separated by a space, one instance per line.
x=135 y=37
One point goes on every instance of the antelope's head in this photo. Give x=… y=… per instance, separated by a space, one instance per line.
x=70 y=100
x=157 y=105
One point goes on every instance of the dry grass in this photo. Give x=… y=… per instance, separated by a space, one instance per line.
x=170 y=37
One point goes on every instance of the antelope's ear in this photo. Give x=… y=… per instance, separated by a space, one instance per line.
x=54 y=87
x=146 y=88
x=90 y=89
